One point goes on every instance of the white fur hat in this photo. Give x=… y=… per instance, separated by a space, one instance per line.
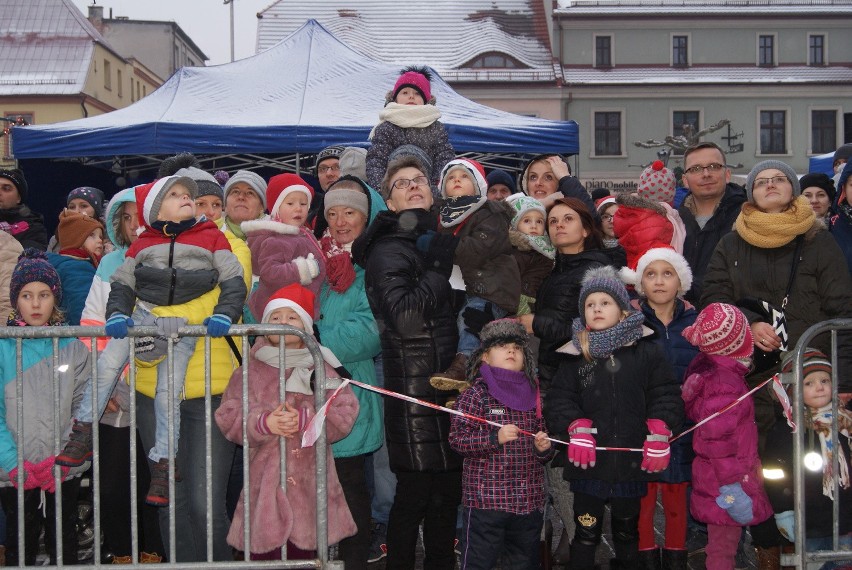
x=662 y=253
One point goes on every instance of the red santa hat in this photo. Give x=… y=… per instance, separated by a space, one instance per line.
x=295 y=297
x=659 y=252
x=283 y=184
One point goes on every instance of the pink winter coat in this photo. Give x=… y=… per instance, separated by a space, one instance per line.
x=274 y=246
x=276 y=517
x=726 y=446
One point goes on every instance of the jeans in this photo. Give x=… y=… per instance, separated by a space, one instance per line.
x=469 y=342
x=190 y=498
x=111 y=363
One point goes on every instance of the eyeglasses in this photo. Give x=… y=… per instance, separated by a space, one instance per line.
x=775 y=180
x=327 y=169
x=607 y=218
x=698 y=169
x=406 y=183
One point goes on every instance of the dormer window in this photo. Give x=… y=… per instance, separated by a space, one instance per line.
x=494 y=60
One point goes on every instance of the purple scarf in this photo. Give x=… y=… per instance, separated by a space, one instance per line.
x=510 y=388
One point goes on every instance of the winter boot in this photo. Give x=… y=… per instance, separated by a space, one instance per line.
x=454 y=377
x=674 y=559
x=78 y=450
x=147 y=558
x=650 y=559
x=158 y=492
x=768 y=558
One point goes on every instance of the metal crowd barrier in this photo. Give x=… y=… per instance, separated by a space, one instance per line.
x=244 y=331
x=801 y=556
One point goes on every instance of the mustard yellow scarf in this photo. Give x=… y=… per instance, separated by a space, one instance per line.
x=765 y=230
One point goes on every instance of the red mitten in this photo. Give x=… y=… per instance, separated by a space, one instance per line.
x=340 y=272
x=656 y=452
x=581 y=446
x=30 y=480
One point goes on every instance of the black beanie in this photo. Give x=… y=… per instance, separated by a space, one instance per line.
x=17 y=178
x=820 y=180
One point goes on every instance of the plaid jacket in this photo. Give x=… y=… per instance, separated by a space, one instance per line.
x=509 y=477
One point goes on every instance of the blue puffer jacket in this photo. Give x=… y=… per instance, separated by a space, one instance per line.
x=76 y=275
x=679 y=353
x=347 y=327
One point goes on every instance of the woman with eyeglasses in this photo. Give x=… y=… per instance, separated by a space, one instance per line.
x=779 y=253
x=407 y=270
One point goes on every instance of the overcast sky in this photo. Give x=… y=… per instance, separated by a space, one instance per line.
x=207 y=22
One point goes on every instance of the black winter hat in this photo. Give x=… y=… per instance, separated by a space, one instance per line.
x=820 y=180
x=16 y=175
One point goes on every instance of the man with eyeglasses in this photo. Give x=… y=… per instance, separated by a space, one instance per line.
x=407 y=270
x=710 y=209
x=327 y=171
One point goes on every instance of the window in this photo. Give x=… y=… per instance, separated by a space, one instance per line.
x=681 y=118
x=766 y=51
x=107 y=75
x=773 y=132
x=119 y=79
x=138 y=90
x=608 y=133
x=603 y=51
x=823 y=131
x=680 y=51
x=816 y=50
x=494 y=60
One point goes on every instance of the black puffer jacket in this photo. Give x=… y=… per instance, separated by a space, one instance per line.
x=556 y=304
x=35 y=235
x=618 y=394
x=411 y=304
x=700 y=243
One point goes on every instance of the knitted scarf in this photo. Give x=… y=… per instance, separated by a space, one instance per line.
x=408 y=116
x=235 y=228
x=301 y=362
x=339 y=270
x=765 y=230
x=542 y=245
x=81 y=254
x=820 y=422
x=457 y=209
x=603 y=343
x=510 y=388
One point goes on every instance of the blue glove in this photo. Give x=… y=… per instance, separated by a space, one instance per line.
x=733 y=499
x=786 y=523
x=425 y=240
x=117 y=325
x=218 y=325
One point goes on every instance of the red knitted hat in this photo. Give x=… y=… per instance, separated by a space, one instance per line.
x=723 y=330
x=657 y=183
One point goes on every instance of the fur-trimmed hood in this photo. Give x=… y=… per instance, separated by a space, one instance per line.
x=268 y=225
x=636 y=201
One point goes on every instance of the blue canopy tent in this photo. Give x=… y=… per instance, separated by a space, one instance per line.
x=307 y=92
x=822 y=163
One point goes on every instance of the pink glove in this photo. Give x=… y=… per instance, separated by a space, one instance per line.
x=581 y=446
x=44 y=473
x=30 y=480
x=656 y=452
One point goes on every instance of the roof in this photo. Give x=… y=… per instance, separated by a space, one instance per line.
x=727 y=8
x=46 y=47
x=794 y=74
x=444 y=34
x=332 y=95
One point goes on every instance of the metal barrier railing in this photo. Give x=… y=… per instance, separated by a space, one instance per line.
x=244 y=331
x=801 y=557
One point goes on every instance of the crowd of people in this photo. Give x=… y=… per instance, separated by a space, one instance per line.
x=577 y=333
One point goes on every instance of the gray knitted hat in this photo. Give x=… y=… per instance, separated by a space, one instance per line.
x=603 y=279
x=207 y=184
x=353 y=161
x=253 y=179
x=502 y=331
x=777 y=165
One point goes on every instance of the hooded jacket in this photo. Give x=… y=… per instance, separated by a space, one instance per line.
x=840 y=223
x=726 y=447
x=76 y=275
x=347 y=327
x=700 y=242
x=557 y=301
x=37 y=385
x=277 y=517
x=411 y=303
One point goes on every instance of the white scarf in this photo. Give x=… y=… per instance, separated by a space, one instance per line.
x=302 y=364
x=821 y=424
x=407 y=116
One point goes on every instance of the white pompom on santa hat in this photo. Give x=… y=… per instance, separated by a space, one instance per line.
x=658 y=253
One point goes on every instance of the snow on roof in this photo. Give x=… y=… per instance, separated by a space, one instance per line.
x=802 y=74
x=45 y=47
x=444 y=34
x=731 y=8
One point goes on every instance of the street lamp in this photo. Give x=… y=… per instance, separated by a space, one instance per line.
x=231 y=2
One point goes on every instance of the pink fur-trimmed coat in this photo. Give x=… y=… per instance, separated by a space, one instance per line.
x=276 y=517
x=274 y=247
